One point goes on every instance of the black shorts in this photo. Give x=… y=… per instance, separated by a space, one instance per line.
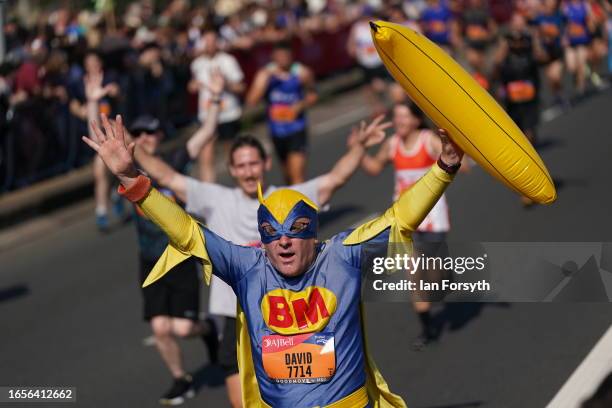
x=553 y=53
x=479 y=46
x=525 y=115
x=228 y=130
x=177 y=294
x=293 y=143
x=379 y=72
x=228 y=359
x=430 y=244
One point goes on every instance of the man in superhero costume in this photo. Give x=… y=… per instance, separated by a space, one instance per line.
x=302 y=342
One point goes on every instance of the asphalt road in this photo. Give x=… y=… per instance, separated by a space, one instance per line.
x=70 y=307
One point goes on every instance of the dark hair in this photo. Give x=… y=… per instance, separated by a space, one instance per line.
x=247 y=141
x=94 y=52
x=416 y=111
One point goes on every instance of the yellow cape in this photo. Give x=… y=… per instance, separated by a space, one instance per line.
x=186 y=240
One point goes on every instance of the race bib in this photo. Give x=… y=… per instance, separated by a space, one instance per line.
x=302 y=358
x=437 y=26
x=549 y=31
x=521 y=91
x=104 y=108
x=476 y=32
x=282 y=113
x=576 y=30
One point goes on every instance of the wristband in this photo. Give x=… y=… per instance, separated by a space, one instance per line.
x=137 y=191
x=447 y=168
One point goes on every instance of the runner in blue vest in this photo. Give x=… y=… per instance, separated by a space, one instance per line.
x=288 y=88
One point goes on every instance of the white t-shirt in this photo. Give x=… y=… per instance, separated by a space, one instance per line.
x=201 y=68
x=233 y=216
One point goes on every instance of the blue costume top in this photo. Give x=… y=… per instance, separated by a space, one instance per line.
x=577 y=28
x=305 y=343
x=281 y=94
x=335 y=280
x=436 y=24
x=550 y=27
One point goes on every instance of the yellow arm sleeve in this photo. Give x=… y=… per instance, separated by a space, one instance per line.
x=184 y=233
x=408 y=211
x=414 y=204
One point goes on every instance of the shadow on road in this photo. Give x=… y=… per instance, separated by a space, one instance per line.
x=455 y=316
x=561 y=183
x=13 y=292
x=548 y=143
x=471 y=404
x=208 y=375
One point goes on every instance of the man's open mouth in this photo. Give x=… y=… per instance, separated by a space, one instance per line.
x=287 y=256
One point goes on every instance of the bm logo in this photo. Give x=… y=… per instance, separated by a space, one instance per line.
x=287 y=312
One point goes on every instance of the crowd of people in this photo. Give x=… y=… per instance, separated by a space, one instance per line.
x=153 y=55
x=163 y=68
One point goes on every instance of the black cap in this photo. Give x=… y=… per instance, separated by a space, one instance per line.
x=144 y=123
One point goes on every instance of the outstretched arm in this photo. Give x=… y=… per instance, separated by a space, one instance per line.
x=162 y=172
x=94 y=91
x=414 y=204
x=186 y=237
x=364 y=137
x=374 y=165
x=206 y=132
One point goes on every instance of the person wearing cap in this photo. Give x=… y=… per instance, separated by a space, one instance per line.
x=302 y=336
x=171 y=305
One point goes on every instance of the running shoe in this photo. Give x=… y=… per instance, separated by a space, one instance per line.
x=181 y=389
x=102 y=222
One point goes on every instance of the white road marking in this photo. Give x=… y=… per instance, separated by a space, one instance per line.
x=149 y=341
x=345 y=119
x=551 y=113
x=586 y=378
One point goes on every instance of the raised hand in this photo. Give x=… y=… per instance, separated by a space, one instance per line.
x=216 y=83
x=111 y=146
x=451 y=153
x=371 y=134
x=94 y=91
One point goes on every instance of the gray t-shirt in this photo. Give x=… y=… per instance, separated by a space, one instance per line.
x=231 y=214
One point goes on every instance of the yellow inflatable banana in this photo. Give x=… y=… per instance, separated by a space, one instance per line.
x=455 y=101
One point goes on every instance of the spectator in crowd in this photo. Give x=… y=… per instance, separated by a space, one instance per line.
x=210 y=59
x=361 y=47
x=80 y=106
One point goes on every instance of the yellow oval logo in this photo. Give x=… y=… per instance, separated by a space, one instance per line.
x=288 y=312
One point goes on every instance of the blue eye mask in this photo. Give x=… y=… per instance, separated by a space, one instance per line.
x=276 y=229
